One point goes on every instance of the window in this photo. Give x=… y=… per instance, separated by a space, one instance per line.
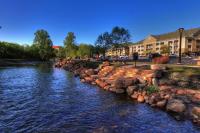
x=189 y=40
x=189 y=46
x=162 y=43
x=170 y=42
x=176 y=42
x=157 y=44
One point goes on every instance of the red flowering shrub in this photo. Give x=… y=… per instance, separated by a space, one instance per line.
x=161 y=60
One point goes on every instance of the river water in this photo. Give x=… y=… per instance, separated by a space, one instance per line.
x=46 y=99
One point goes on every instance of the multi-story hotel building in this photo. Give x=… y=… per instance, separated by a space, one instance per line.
x=153 y=43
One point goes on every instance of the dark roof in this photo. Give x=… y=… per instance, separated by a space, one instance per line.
x=175 y=34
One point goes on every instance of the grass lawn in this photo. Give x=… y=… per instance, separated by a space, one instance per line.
x=188 y=71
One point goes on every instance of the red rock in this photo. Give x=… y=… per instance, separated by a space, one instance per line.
x=88 y=79
x=197 y=96
x=94 y=77
x=134 y=95
x=100 y=83
x=106 y=63
x=164 y=88
x=144 y=93
x=106 y=87
x=191 y=92
x=167 y=96
x=89 y=72
x=157 y=67
x=140 y=99
x=181 y=92
x=82 y=80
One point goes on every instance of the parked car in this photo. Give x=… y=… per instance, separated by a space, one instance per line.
x=123 y=57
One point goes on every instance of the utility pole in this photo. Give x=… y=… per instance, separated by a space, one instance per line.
x=180 y=43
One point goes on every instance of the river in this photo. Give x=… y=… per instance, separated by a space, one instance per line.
x=46 y=99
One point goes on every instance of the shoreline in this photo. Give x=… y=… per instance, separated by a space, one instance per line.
x=143 y=84
x=18 y=62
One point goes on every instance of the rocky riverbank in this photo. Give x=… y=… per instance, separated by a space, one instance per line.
x=143 y=84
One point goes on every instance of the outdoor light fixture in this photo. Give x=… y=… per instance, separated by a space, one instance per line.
x=181 y=30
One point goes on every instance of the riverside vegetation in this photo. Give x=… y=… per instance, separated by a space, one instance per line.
x=155 y=86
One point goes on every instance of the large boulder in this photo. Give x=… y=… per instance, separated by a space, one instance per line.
x=161 y=104
x=176 y=106
x=130 y=90
x=127 y=82
x=119 y=83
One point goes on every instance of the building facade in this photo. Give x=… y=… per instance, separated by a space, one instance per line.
x=120 y=51
x=153 y=43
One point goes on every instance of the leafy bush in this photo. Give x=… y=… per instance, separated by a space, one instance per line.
x=152 y=89
x=161 y=60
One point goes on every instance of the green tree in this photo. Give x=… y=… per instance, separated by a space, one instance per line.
x=120 y=35
x=43 y=42
x=70 y=46
x=60 y=53
x=17 y=51
x=103 y=42
x=85 y=50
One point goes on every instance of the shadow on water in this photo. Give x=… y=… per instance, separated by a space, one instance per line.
x=45 y=99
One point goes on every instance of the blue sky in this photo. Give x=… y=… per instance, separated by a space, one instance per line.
x=89 y=18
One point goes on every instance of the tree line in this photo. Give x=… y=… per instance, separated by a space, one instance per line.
x=119 y=36
x=42 y=46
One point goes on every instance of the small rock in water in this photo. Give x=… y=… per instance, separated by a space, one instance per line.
x=140 y=99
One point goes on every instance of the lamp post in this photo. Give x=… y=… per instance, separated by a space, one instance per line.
x=180 y=43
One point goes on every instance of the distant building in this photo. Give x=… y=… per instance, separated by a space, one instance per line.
x=153 y=43
x=119 y=51
x=56 y=47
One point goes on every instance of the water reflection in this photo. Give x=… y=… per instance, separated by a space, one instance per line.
x=43 y=99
